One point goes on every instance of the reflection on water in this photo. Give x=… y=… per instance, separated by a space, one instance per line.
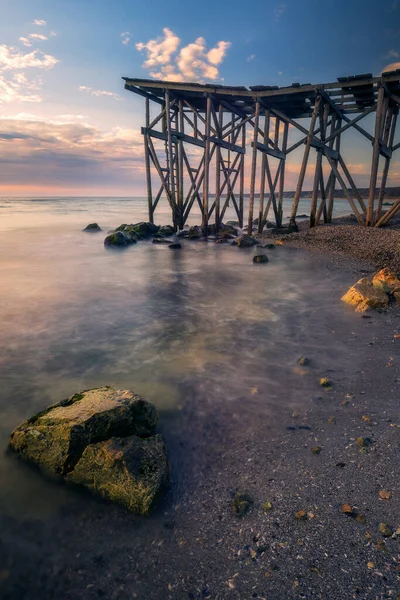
x=198 y=325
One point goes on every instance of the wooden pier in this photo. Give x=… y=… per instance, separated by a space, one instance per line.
x=196 y=138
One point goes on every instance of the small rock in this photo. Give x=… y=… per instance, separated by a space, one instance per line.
x=387 y=280
x=267 y=506
x=303 y=361
x=242 y=504
x=92 y=227
x=119 y=239
x=301 y=515
x=260 y=258
x=385 y=495
x=324 y=382
x=331 y=420
x=385 y=530
x=195 y=232
x=175 y=246
x=316 y=450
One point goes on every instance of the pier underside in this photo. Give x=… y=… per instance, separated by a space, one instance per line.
x=221 y=146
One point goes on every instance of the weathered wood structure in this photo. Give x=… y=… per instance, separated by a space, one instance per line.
x=197 y=142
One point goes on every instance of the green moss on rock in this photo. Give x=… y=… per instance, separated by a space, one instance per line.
x=131 y=471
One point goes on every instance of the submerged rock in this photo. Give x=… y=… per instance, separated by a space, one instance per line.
x=260 y=258
x=164 y=231
x=131 y=471
x=364 y=295
x=95 y=438
x=119 y=238
x=244 y=241
x=92 y=227
x=176 y=246
x=161 y=241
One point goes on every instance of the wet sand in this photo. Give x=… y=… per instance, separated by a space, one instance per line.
x=192 y=546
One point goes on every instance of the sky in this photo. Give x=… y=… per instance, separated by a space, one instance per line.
x=68 y=127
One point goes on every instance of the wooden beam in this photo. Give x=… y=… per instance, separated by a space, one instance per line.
x=267 y=150
x=206 y=181
x=147 y=165
x=345 y=190
x=267 y=119
x=350 y=123
x=388 y=138
x=303 y=168
x=282 y=174
x=253 y=168
x=375 y=158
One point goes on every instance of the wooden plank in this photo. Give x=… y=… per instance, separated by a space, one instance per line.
x=388 y=214
x=318 y=167
x=352 y=184
x=282 y=174
x=227 y=145
x=350 y=122
x=270 y=151
x=388 y=137
x=267 y=119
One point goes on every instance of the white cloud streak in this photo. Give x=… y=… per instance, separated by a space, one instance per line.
x=93 y=92
x=193 y=62
x=39 y=22
x=251 y=57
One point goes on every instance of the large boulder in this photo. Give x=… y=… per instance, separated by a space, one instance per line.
x=103 y=439
x=55 y=438
x=119 y=238
x=244 y=241
x=364 y=295
x=139 y=231
x=387 y=280
x=131 y=471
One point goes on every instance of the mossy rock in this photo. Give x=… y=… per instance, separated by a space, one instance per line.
x=139 y=231
x=195 y=232
x=130 y=471
x=244 y=241
x=386 y=280
x=242 y=503
x=164 y=231
x=260 y=258
x=92 y=228
x=119 y=239
x=55 y=438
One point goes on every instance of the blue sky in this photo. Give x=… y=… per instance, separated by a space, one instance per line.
x=68 y=126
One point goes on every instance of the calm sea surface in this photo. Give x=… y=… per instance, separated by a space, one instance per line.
x=74 y=315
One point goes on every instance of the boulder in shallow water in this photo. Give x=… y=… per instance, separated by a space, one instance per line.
x=164 y=231
x=363 y=295
x=103 y=439
x=176 y=246
x=139 y=231
x=92 y=228
x=195 y=232
x=260 y=258
x=157 y=240
x=387 y=280
x=55 y=438
x=131 y=471
x=244 y=241
x=119 y=238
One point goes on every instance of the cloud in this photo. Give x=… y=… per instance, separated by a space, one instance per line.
x=191 y=63
x=12 y=58
x=26 y=42
x=279 y=10
x=251 y=57
x=126 y=37
x=391 y=67
x=37 y=36
x=280 y=73
x=39 y=22
x=393 y=54
x=14 y=85
x=92 y=92
x=66 y=151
